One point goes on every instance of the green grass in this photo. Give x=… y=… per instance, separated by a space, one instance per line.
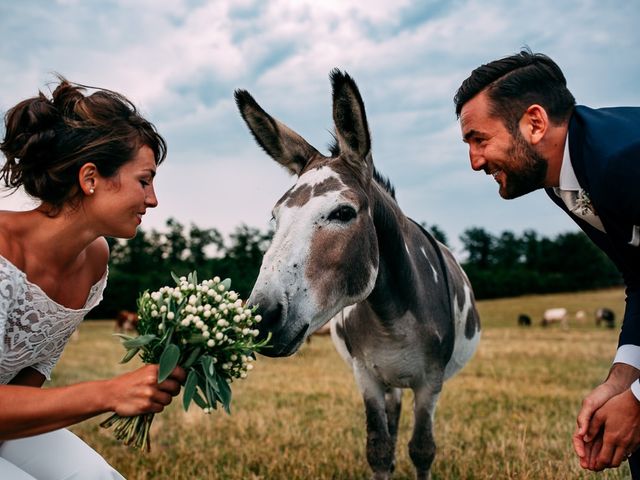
x=509 y=414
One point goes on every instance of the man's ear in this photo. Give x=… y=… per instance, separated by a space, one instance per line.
x=88 y=178
x=534 y=124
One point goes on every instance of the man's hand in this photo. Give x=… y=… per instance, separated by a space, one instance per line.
x=613 y=433
x=621 y=376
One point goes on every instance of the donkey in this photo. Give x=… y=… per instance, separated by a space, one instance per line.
x=404 y=310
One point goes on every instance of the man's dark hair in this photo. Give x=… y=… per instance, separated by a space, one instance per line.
x=516 y=82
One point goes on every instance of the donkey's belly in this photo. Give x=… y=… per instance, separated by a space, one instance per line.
x=396 y=368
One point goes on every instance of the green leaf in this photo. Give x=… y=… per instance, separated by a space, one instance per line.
x=123 y=336
x=193 y=356
x=175 y=278
x=168 y=361
x=130 y=354
x=201 y=402
x=140 y=341
x=224 y=394
x=227 y=283
x=189 y=389
x=193 y=277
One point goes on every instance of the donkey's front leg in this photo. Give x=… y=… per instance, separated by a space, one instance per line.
x=422 y=447
x=380 y=445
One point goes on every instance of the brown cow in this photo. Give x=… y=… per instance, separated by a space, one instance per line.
x=126 y=321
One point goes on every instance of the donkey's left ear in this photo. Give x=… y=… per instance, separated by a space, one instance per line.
x=281 y=143
x=352 y=130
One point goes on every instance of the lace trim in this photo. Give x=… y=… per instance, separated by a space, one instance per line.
x=34 y=328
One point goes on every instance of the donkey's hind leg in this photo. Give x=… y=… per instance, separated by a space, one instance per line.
x=422 y=447
x=393 y=406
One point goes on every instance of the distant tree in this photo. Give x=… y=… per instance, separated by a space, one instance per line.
x=479 y=245
x=508 y=251
x=197 y=244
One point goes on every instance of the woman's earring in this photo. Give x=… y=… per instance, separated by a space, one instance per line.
x=91 y=191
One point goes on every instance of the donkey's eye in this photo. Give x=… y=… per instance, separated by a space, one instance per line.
x=343 y=213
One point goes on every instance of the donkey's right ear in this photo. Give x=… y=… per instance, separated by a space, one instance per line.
x=280 y=142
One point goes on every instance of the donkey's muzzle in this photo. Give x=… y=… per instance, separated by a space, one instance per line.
x=284 y=341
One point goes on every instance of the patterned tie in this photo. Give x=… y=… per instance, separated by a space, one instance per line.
x=580 y=206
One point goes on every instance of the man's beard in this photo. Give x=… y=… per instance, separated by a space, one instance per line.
x=528 y=169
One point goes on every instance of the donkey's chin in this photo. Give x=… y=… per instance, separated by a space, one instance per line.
x=284 y=345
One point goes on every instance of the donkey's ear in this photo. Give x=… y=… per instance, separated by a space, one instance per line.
x=281 y=143
x=352 y=130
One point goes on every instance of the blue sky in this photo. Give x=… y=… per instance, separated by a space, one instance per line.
x=179 y=61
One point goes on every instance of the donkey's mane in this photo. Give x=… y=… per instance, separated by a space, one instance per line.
x=384 y=182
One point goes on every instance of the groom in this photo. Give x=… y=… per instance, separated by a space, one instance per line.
x=522 y=127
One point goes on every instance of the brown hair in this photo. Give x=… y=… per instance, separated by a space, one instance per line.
x=48 y=140
x=514 y=83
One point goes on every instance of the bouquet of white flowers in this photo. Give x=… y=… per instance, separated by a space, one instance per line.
x=204 y=328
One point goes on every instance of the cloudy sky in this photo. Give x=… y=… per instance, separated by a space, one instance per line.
x=180 y=61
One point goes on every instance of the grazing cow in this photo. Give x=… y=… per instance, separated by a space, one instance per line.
x=126 y=321
x=524 y=320
x=555 y=315
x=606 y=316
x=342 y=244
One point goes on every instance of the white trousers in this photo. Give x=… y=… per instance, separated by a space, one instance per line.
x=57 y=455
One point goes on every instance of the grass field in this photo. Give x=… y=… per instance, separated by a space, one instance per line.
x=509 y=414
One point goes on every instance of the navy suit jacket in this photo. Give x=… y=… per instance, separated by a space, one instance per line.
x=604 y=146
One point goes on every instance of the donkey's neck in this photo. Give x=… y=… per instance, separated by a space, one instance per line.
x=391 y=295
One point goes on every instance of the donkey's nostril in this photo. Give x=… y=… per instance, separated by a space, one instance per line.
x=271 y=315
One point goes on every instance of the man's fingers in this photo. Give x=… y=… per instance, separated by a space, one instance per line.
x=578 y=443
x=593 y=427
x=596 y=446
x=604 y=458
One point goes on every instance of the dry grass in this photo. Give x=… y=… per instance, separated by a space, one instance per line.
x=508 y=415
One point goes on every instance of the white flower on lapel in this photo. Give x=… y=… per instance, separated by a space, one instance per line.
x=583 y=204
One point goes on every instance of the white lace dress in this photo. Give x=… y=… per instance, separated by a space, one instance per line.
x=33 y=328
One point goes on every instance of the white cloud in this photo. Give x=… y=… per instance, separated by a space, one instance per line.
x=180 y=61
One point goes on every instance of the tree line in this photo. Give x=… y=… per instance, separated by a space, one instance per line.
x=498 y=266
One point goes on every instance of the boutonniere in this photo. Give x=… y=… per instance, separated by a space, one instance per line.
x=583 y=203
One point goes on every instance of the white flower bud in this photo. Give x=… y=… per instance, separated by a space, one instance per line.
x=211 y=343
x=255 y=333
x=171 y=316
x=219 y=336
x=216 y=279
x=234 y=357
x=206 y=334
x=206 y=313
x=192 y=300
x=221 y=288
x=250 y=366
x=246 y=331
x=236 y=318
x=199 y=324
x=258 y=318
x=185 y=322
x=163 y=308
x=243 y=375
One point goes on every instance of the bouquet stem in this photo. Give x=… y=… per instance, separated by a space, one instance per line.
x=132 y=431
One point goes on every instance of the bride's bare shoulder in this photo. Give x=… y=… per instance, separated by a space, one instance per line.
x=10 y=245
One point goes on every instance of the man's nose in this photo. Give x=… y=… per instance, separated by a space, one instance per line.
x=477 y=160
